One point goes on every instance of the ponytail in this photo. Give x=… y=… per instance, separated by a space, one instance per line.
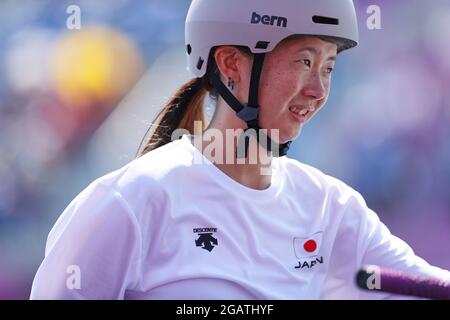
x=185 y=107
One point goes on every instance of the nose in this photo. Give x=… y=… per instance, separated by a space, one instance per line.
x=315 y=88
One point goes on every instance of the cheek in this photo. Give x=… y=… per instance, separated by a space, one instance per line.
x=278 y=92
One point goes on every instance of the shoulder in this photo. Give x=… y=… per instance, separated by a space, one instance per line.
x=116 y=208
x=153 y=167
x=323 y=192
x=148 y=180
x=302 y=175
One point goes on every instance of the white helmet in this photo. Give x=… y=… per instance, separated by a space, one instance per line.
x=260 y=25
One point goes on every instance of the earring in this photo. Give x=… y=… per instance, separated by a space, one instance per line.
x=230 y=83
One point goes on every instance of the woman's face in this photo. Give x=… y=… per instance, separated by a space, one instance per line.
x=296 y=76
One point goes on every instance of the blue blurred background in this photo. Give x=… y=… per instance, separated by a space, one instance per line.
x=75 y=104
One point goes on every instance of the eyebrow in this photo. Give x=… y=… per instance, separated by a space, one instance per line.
x=314 y=51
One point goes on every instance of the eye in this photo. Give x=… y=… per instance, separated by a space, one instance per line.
x=329 y=70
x=306 y=62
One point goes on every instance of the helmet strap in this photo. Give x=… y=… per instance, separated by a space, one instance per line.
x=248 y=112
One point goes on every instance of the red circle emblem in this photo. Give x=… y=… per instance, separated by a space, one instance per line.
x=310 y=246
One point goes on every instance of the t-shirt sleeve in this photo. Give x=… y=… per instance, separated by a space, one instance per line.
x=380 y=247
x=93 y=251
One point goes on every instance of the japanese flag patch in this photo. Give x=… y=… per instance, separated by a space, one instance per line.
x=308 y=247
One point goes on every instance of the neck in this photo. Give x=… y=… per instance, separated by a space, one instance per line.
x=219 y=142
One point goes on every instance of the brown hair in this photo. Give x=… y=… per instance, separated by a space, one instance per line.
x=185 y=107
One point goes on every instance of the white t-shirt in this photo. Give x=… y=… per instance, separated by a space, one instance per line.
x=166 y=227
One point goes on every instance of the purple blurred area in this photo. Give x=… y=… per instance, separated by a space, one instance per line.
x=75 y=104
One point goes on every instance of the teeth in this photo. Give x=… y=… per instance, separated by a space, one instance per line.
x=304 y=112
x=299 y=111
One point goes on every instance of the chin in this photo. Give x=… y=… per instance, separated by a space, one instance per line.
x=287 y=135
x=291 y=133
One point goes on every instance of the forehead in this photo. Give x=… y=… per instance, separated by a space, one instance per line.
x=292 y=46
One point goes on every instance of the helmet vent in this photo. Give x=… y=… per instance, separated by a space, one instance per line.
x=188 y=49
x=262 y=44
x=200 y=63
x=325 y=20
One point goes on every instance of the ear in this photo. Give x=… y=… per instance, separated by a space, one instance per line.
x=231 y=62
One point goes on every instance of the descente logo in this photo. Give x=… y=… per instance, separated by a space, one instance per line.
x=269 y=20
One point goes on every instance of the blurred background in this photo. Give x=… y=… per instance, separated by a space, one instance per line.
x=78 y=95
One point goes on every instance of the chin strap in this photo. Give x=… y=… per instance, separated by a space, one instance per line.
x=249 y=112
